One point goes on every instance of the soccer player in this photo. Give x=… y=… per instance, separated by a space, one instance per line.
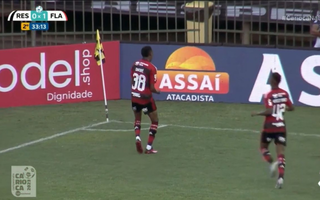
x=143 y=78
x=276 y=101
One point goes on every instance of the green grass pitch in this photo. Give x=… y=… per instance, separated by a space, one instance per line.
x=206 y=151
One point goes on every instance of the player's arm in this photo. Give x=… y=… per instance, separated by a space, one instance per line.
x=289 y=106
x=314 y=30
x=153 y=89
x=153 y=80
x=268 y=111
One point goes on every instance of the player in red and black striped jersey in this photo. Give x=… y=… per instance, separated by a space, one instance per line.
x=143 y=78
x=276 y=102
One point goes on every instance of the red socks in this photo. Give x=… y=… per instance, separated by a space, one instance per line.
x=137 y=127
x=152 y=132
x=266 y=155
x=281 y=165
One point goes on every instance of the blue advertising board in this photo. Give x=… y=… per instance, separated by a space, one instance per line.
x=226 y=74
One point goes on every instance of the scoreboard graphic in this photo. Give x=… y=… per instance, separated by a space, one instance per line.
x=36 y=19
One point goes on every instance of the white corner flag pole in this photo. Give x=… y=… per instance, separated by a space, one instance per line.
x=104 y=88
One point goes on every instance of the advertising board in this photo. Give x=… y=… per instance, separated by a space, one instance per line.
x=69 y=74
x=57 y=74
x=226 y=74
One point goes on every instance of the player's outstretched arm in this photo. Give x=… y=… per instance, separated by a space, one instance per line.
x=267 y=112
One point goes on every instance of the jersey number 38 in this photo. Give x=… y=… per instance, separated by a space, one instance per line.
x=139 y=82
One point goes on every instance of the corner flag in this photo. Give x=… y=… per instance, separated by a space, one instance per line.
x=100 y=58
x=99 y=52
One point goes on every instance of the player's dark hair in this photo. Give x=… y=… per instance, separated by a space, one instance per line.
x=276 y=77
x=145 y=51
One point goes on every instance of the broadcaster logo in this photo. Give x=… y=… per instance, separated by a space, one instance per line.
x=301 y=18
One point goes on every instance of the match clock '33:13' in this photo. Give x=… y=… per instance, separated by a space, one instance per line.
x=26 y=26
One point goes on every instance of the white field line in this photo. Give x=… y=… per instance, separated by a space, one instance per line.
x=49 y=138
x=115 y=121
x=119 y=130
x=227 y=129
x=241 y=130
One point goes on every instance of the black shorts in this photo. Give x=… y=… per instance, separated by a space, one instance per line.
x=145 y=108
x=278 y=138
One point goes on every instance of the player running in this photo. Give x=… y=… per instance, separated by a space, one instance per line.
x=143 y=78
x=276 y=101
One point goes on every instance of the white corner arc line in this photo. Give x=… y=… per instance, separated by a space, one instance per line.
x=123 y=122
x=49 y=138
x=106 y=130
x=119 y=130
